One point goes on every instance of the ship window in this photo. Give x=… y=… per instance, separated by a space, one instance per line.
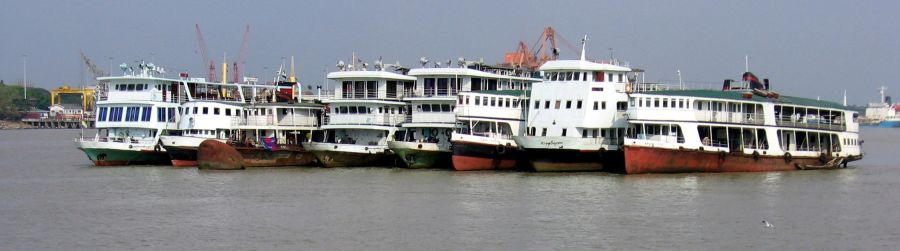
x=195 y=110
x=620 y=77
x=547 y=104
x=595 y=134
x=139 y=87
x=584 y=133
x=564 y=132
x=598 y=76
x=343 y=109
x=610 y=75
x=665 y=102
x=544 y=131
x=578 y=104
x=227 y=112
x=131 y=87
x=597 y=89
x=537 y=104
x=568 y=104
x=216 y=111
x=656 y=102
x=484 y=101
x=467 y=99
x=353 y=110
x=603 y=105
x=205 y=110
x=446 y=108
x=558 y=104
x=621 y=106
x=172 y=114
x=477 y=100
x=145 y=113
x=577 y=76
x=426 y=108
x=596 y=105
x=493 y=101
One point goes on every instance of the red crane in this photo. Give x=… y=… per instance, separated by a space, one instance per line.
x=239 y=64
x=211 y=75
x=540 y=54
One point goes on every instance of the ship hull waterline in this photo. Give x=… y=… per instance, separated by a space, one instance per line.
x=659 y=160
x=573 y=160
x=115 y=157
x=469 y=156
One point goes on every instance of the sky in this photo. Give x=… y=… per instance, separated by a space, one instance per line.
x=806 y=48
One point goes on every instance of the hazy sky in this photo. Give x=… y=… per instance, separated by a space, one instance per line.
x=806 y=48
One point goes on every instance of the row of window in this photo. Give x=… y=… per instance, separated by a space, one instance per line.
x=681 y=103
x=558 y=104
x=595 y=76
x=489 y=101
x=435 y=108
x=134 y=114
x=614 y=133
x=367 y=110
x=134 y=87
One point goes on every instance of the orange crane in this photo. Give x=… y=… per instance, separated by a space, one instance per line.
x=239 y=64
x=541 y=53
x=211 y=75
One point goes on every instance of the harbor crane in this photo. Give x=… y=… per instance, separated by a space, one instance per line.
x=541 y=53
x=204 y=54
x=239 y=64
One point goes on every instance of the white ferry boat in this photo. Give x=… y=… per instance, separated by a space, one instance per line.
x=576 y=121
x=133 y=111
x=365 y=113
x=425 y=139
x=742 y=128
x=488 y=116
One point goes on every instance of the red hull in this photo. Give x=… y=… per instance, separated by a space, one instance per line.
x=466 y=163
x=184 y=163
x=110 y=162
x=656 y=160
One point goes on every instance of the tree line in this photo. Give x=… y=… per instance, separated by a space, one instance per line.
x=13 y=105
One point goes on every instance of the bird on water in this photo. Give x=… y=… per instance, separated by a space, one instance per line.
x=767 y=224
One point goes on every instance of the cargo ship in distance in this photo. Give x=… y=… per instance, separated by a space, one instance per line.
x=744 y=127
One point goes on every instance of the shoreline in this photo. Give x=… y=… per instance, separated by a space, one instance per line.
x=13 y=125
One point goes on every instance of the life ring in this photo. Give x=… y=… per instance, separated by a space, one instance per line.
x=501 y=149
x=755 y=155
x=788 y=157
x=420 y=146
x=448 y=132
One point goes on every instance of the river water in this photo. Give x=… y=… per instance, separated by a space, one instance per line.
x=52 y=199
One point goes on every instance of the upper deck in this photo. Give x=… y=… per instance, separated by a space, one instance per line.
x=740 y=107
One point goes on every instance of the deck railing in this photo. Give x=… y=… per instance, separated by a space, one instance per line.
x=730 y=117
x=810 y=122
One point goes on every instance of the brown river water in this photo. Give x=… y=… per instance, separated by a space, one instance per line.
x=52 y=199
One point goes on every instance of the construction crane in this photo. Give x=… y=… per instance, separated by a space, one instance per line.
x=239 y=64
x=211 y=74
x=97 y=72
x=540 y=53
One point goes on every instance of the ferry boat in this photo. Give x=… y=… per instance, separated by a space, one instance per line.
x=488 y=117
x=744 y=127
x=576 y=120
x=424 y=141
x=365 y=113
x=245 y=116
x=270 y=134
x=133 y=111
x=207 y=114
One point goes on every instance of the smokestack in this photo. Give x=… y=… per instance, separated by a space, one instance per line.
x=726 y=85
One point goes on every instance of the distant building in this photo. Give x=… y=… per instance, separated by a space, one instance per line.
x=67 y=111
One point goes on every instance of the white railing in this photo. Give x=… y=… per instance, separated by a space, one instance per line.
x=365 y=119
x=270 y=121
x=431 y=117
x=129 y=140
x=730 y=117
x=810 y=122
